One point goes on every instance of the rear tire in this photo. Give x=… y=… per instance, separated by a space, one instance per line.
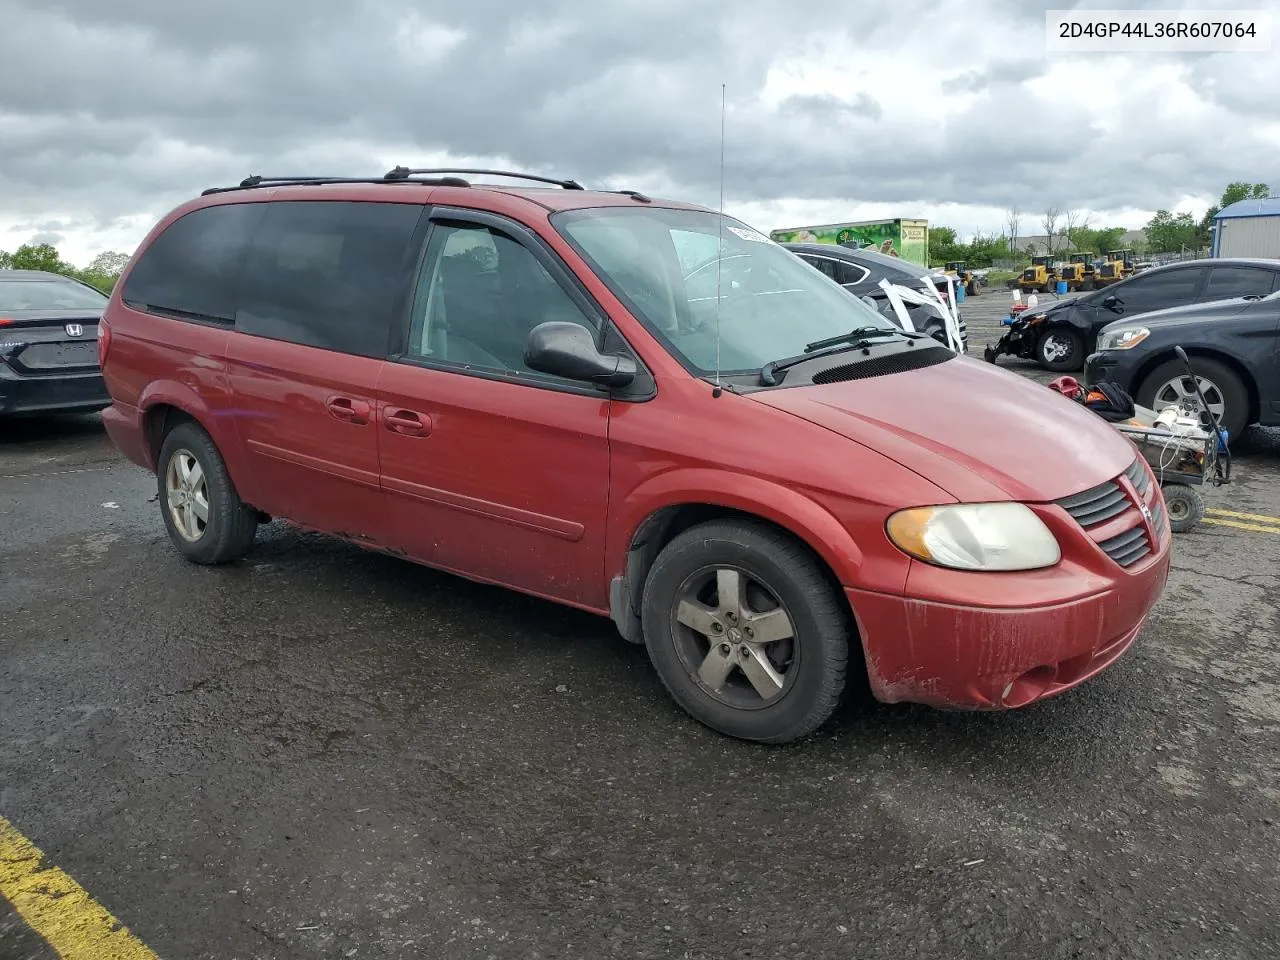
x=203 y=514
x=700 y=642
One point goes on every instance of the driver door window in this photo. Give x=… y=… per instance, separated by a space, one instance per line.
x=1158 y=291
x=479 y=296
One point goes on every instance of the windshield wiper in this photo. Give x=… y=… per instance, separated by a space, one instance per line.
x=857 y=333
x=824 y=348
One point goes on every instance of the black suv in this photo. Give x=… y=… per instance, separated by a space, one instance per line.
x=860 y=272
x=49 y=344
x=1071 y=327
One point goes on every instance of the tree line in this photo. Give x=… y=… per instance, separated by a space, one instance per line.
x=1167 y=231
x=1069 y=232
x=102 y=272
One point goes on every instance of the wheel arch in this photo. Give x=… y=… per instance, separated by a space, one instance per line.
x=643 y=531
x=163 y=406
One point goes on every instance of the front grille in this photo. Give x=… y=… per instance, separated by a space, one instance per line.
x=1096 y=507
x=912 y=359
x=1127 y=548
x=1107 y=270
x=1157 y=519
x=1140 y=477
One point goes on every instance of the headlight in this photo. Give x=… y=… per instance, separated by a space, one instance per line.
x=975 y=536
x=1123 y=339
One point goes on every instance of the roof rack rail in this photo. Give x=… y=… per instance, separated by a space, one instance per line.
x=404 y=173
x=249 y=183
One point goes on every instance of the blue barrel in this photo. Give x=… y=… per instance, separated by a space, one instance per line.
x=959 y=293
x=1062 y=287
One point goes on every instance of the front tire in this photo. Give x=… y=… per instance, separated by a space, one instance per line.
x=1060 y=349
x=1222 y=387
x=203 y=514
x=746 y=632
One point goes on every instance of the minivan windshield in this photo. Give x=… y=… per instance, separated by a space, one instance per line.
x=667 y=266
x=51 y=294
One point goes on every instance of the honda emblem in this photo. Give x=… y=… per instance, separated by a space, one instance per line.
x=74 y=330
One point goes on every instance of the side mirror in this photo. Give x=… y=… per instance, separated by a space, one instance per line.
x=566 y=349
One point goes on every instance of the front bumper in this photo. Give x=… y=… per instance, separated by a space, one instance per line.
x=990 y=641
x=973 y=657
x=51 y=393
x=1117 y=366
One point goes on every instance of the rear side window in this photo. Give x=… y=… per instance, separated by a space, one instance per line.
x=328 y=274
x=49 y=294
x=190 y=269
x=1226 y=283
x=821 y=264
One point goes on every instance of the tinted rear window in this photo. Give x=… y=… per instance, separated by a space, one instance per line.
x=328 y=274
x=1226 y=283
x=191 y=267
x=18 y=295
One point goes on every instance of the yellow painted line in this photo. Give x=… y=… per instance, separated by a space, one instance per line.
x=1259 y=517
x=58 y=908
x=1237 y=525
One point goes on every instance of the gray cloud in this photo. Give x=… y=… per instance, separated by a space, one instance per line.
x=152 y=101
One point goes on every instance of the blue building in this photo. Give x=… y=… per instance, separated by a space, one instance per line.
x=1248 y=228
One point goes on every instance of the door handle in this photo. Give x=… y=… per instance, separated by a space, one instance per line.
x=344 y=408
x=408 y=423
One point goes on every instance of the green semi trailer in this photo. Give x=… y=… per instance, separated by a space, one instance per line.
x=901 y=237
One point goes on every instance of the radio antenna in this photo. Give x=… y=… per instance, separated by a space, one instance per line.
x=720 y=250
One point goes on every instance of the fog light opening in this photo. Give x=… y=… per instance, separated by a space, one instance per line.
x=1029 y=687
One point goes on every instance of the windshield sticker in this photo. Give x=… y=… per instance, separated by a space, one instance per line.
x=753 y=235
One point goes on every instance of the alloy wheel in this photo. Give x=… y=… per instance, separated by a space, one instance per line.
x=1057 y=347
x=187 y=495
x=1180 y=389
x=734 y=636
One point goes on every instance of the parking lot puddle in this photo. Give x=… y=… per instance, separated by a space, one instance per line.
x=57 y=908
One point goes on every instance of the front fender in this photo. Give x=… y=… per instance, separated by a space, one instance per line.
x=802 y=516
x=1071 y=319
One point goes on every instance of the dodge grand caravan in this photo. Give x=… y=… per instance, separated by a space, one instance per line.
x=771 y=487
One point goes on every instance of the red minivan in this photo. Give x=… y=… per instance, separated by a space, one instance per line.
x=640 y=408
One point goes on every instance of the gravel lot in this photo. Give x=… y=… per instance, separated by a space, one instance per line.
x=321 y=752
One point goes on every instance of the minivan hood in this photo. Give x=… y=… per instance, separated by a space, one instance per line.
x=976 y=431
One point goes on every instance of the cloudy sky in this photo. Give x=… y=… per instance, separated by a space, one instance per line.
x=111 y=113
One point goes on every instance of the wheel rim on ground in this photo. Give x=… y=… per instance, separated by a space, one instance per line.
x=735 y=637
x=1179 y=389
x=1057 y=348
x=1178 y=507
x=187 y=495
